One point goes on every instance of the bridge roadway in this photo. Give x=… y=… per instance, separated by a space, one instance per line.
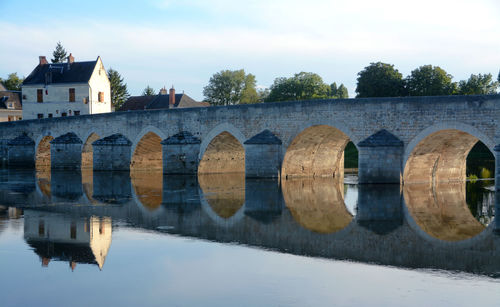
x=409 y=139
x=384 y=229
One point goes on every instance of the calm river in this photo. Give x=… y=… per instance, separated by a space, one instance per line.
x=143 y=239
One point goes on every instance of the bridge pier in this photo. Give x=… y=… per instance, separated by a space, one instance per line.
x=112 y=153
x=66 y=152
x=379 y=207
x=65 y=186
x=3 y=153
x=263 y=199
x=21 y=152
x=112 y=187
x=263 y=155
x=380 y=158
x=180 y=153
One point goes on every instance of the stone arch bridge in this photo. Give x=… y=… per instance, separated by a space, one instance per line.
x=408 y=139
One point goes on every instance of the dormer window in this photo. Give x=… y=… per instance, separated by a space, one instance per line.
x=71 y=95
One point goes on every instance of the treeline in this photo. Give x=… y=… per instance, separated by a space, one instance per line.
x=229 y=87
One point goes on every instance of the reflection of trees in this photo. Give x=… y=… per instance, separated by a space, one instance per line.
x=225 y=193
x=317 y=204
x=441 y=210
x=148 y=187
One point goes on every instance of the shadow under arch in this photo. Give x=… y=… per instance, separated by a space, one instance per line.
x=222 y=151
x=317 y=151
x=439 y=153
x=222 y=197
x=440 y=212
x=317 y=204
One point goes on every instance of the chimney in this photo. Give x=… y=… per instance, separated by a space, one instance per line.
x=71 y=59
x=163 y=91
x=43 y=60
x=171 y=98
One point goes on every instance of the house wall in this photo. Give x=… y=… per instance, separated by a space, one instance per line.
x=15 y=115
x=99 y=82
x=55 y=100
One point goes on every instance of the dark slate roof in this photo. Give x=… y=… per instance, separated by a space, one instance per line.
x=8 y=97
x=115 y=139
x=77 y=252
x=21 y=140
x=181 y=138
x=265 y=137
x=383 y=138
x=68 y=138
x=76 y=72
x=159 y=102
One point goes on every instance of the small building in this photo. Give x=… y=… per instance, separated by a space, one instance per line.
x=11 y=108
x=163 y=100
x=66 y=89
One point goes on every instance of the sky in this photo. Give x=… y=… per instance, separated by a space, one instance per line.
x=183 y=43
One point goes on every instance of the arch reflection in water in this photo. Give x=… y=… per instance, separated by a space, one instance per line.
x=317 y=204
x=441 y=210
x=54 y=236
x=224 y=193
x=148 y=188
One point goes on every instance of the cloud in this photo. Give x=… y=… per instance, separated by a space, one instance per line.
x=335 y=39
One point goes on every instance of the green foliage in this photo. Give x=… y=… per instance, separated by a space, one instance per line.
x=350 y=156
x=478 y=85
x=119 y=92
x=13 y=82
x=59 y=54
x=428 y=80
x=229 y=87
x=338 y=92
x=148 y=91
x=263 y=94
x=302 y=86
x=380 y=80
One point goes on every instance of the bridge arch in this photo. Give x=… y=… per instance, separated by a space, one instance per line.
x=222 y=151
x=439 y=152
x=87 y=149
x=42 y=152
x=316 y=150
x=146 y=150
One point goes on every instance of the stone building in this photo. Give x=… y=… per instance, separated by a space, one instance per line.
x=66 y=89
x=11 y=107
x=163 y=100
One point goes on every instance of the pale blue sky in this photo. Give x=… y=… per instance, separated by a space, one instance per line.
x=183 y=43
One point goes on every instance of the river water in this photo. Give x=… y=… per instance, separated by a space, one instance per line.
x=110 y=238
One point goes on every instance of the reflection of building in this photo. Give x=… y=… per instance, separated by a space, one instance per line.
x=61 y=238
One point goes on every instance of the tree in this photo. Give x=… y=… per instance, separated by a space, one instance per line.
x=302 y=86
x=263 y=94
x=380 y=80
x=13 y=82
x=478 y=85
x=119 y=92
x=59 y=54
x=338 y=92
x=148 y=91
x=229 y=87
x=430 y=80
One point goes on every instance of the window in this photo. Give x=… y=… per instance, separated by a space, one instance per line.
x=11 y=118
x=101 y=96
x=71 y=95
x=50 y=115
x=64 y=114
x=39 y=115
x=39 y=95
x=76 y=113
x=73 y=230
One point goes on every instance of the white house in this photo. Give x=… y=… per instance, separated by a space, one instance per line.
x=66 y=89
